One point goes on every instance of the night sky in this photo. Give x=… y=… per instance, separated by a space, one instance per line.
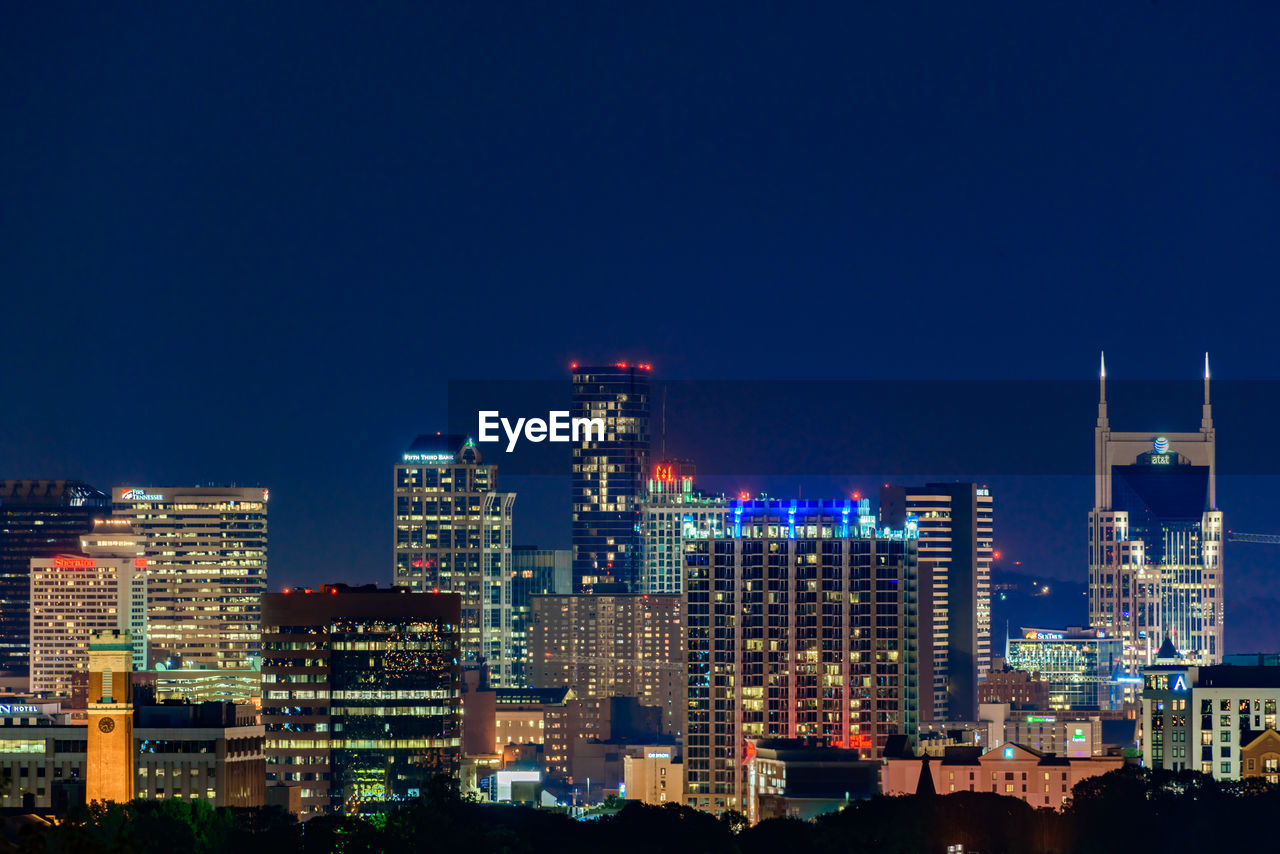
x=257 y=243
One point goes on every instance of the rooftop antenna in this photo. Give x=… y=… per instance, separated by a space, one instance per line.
x=1206 y=418
x=1102 y=393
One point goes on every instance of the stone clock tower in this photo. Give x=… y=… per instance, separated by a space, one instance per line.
x=109 y=762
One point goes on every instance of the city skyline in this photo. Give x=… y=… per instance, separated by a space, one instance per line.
x=716 y=427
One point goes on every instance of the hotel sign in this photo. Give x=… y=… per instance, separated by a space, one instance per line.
x=19 y=710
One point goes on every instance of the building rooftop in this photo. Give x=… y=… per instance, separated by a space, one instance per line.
x=530 y=696
x=437 y=443
x=1238 y=676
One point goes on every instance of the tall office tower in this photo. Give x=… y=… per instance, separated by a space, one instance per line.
x=535 y=572
x=453 y=535
x=955 y=551
x=674 y=511
x=206 y=553
x=802 y=623
x=362 y=694
x=1155 y=540
x=38 y=519
x=74 y=595
x=609 y=474
x=605 y=645
x=109 y=749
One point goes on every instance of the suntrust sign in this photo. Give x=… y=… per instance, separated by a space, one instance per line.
x=556 y=427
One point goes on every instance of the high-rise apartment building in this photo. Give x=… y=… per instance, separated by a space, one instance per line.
x=38 y=519
x=1155 y=539
x=612 y=645
x=802 y=623
x=205 y=549
x=672 y=513
x=453 y=534
x=535 y=572
x=608 y=474
x=361 y=694
x=956 y=530
x=100 y=588
x=1200 y=718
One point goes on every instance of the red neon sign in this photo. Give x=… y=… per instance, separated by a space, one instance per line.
x=74 y=563
x=664 y=472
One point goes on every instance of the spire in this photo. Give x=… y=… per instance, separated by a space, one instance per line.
x=1102 y=394
x=924 y=783
x=1206 y=417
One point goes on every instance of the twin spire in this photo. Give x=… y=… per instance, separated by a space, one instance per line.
x=1206 y=416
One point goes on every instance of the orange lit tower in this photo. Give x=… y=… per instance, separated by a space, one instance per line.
x=109 y=772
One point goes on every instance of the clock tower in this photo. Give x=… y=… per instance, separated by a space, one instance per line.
x=109 y=767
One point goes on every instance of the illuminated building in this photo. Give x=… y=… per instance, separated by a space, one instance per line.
x=802 y=623
x=655 y=778
x=1201 y=718
x=75 y=594
x=38 y=519
x=1065 y=733
x=1012 y=770
x=608 y=475
x=210 y=752
x=361 y=694
x=1015 y=687
x=1083 y=667
x=206 y=554
x=1155 y=539
x=802 y=778
x=109 y=749
x=605 y=645
x=956 y=529
x=535 y=572
x=453 y=535
x=1261 y=757
x=672 y=513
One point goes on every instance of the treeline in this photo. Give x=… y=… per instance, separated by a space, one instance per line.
x=1130 y=811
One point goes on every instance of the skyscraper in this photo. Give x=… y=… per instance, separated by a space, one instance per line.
x=604 y=645
x=1155 y=539
x=802 y=623
x=97 y=588
x=452 y=532
x=672 y=513
x=206 y=556
x=38 y=519
x=535 y=572
x=362 y=694
x=609 y=474
x=955 y=590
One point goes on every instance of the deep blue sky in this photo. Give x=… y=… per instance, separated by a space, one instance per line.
x=254 y=243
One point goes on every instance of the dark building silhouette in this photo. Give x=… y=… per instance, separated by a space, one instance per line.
x=38 y=519
x=361 y=694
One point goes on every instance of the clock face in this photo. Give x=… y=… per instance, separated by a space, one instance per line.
x=106 y=725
